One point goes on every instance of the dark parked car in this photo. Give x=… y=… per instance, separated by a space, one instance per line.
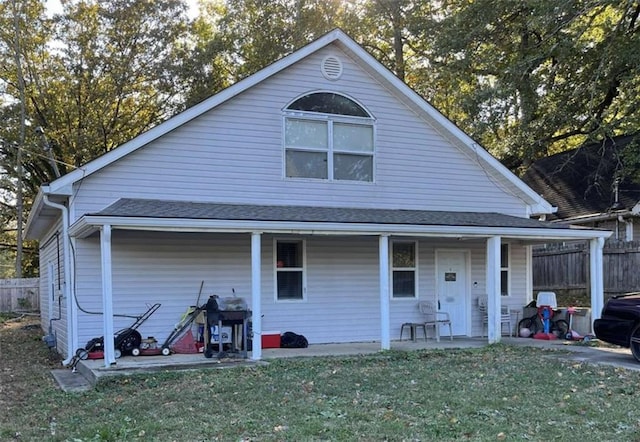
x=620 y=322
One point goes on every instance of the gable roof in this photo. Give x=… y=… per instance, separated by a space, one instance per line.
x=502 y=176
x=580 y=182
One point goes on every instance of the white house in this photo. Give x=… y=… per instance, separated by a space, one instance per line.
x=321 y=189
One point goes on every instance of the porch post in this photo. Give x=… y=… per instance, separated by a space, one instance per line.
x=597 y=280
x=256 y=295
x=385 y=339
x=493 y=289
x=529 y=287
x=107 y=295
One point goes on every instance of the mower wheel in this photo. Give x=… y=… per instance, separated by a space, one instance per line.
x=166 y=351
x=127 y=340
x=208 y=353
x=117 y=353
x=135 y=352
x=82 y=354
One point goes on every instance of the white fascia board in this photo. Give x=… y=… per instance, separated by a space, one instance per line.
x=194 y=111
x=537 y=204
x=38 y=206
x=89 y=224
x=34 y=213
x=64 y=191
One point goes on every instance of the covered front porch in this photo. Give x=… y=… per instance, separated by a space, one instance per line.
x=448 y=231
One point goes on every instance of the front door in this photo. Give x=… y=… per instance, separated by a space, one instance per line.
x=452 y=289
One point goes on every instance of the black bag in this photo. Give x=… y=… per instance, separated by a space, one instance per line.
x=293 y=340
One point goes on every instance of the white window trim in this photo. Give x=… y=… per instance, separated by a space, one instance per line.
x=507 y=269
x=415 y=270
x=329 y=119
x=303 y=269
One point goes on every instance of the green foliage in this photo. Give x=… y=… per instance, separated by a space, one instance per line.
x=95 y=76
x=532 y=78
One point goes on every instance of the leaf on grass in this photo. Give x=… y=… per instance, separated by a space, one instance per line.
x=307 y=386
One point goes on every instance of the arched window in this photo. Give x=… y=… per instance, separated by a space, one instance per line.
x=328 y=136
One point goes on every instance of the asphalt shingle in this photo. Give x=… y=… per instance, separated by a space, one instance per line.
x=151 y=208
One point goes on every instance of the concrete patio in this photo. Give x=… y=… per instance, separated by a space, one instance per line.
x=88 y=372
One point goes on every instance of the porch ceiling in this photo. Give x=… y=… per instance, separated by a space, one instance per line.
x=146 y=214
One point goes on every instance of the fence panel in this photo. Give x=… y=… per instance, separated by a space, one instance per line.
x=565 y=267
x=560 y=266
x=621 y=261
x=19 y=295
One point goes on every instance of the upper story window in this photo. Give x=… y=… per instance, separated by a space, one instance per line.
x=328 y=136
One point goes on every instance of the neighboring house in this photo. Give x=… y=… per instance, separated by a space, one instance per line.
x=321 y=189
x=588 y=188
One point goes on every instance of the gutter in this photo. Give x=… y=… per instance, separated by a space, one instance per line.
x=607 y=216
x=71 y=307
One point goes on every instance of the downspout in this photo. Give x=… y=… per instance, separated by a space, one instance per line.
x=72 y=313
x=628 y=229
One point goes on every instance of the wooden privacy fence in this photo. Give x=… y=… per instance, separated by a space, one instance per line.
x=565 y=267
x=19 y=295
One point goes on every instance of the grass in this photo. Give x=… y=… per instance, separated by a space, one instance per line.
x=495 y=393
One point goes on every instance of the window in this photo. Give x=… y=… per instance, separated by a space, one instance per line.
x=328 y=136
x=289 y=270
x=504 y=269
x=403 y=269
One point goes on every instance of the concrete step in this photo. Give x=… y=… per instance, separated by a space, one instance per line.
x=71 y=382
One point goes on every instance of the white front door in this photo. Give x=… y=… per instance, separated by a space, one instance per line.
x=451 y=269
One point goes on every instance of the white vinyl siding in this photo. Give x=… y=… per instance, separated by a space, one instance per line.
x=342 y=297
x=234 y=154
x=51 y=255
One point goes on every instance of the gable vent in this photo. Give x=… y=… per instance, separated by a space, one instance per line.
x=331 y=68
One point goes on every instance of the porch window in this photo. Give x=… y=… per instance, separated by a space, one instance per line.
x=403 y=269
x=289 y=270
x=330 y=137
x=504 y=269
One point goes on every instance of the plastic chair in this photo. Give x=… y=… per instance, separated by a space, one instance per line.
x=505 y=316
x=434 y=318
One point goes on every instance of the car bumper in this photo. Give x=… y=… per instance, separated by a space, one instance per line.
x=613 y=331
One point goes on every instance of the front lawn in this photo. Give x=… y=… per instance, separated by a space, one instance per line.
x=495 y=393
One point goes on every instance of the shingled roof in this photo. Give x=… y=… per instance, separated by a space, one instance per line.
x=147 y=208
x=580 y=182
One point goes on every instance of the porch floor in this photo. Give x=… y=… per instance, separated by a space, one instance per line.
x=93 y=370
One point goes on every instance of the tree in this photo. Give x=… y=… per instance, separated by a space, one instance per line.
x=536 y=77
x=114 y=74
x=94 y=77
x=233 y=39
x=23 y=31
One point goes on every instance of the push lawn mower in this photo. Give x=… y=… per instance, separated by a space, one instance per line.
x=125 y=340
